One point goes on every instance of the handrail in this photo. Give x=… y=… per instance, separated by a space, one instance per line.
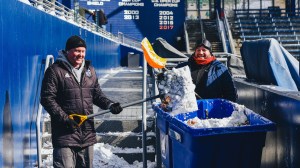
x=144 y=114
x=201 y=26
x=218 y=55
x=49 y=59
x=221 y=32
x=265 y=12
x=223 y=41
x=186 y=37
x=202 y=30
x=129 y=41
x=59 y=10
x=229 y=34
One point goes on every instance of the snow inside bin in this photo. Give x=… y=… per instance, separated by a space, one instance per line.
x=235 y=147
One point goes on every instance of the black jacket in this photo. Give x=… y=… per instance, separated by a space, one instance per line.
x=62 y=95
x=212 y=81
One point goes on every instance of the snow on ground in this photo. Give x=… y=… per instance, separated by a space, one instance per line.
x=104 y=157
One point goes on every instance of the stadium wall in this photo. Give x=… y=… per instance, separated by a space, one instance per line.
x=27 y=36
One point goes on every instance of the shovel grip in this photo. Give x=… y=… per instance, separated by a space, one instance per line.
x=82 y=118
x=78 y=118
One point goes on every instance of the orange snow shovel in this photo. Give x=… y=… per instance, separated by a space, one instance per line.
x=151 y=57
x=80 y=119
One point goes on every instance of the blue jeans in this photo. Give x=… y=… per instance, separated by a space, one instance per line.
x=73 y=157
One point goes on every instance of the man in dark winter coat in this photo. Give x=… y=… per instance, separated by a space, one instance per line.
x=100 y=18
x=70 y=86
x=211 y=77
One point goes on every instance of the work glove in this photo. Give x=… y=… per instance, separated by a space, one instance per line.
x=115 y=108
x=160 y=76
x=72 y=124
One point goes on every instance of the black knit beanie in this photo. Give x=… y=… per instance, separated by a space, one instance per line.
x=74 y=42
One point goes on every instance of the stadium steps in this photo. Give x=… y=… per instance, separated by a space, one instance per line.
x=194 y=33
x=127 y=135
x=211 y=33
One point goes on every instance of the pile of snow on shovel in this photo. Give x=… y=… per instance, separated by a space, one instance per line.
x=178 y=89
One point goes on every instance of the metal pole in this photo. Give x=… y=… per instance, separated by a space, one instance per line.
x=260 y=5
x=223 y=6
x=157 y=130
x=49 y=61
x=235 y=4
x=144 y=115
x=248 y=6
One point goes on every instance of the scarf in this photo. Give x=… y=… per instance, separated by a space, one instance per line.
x=206 y=61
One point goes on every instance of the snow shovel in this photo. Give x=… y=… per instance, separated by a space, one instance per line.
x=80 y=119
x=151 y=57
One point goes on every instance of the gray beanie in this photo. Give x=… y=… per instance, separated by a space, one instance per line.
x=205 y=43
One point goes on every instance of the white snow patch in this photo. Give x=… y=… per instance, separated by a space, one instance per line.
x=237 y=118
x=105 y=157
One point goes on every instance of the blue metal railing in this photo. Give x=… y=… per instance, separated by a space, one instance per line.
x=49 y=61
x=229 y=34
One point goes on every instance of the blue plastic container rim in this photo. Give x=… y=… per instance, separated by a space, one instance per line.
x=162 y=113
x=258 y=123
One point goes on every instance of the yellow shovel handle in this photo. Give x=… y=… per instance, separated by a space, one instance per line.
x=77 y=117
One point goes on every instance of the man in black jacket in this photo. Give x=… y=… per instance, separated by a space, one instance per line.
x=100 y=18
x=70 y=86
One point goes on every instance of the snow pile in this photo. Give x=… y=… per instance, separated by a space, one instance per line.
x=104 y=157
x=237 y=118
x=178 y=89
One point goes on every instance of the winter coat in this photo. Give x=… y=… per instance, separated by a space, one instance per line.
x=212 y=81
x=102 y=18
x=62 y=95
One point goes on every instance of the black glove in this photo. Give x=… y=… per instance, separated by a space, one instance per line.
x=115 y=108
x=72 y=124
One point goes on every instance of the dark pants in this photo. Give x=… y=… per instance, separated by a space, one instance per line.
x=73 y=157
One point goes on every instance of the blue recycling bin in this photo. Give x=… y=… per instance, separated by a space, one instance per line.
x=162 y=122
x=234 y=147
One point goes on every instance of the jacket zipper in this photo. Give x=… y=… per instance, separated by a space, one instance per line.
x=82 y=105
x=80 y=87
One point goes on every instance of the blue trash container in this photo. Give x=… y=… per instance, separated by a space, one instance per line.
x=234 y=147
x=162 y=122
